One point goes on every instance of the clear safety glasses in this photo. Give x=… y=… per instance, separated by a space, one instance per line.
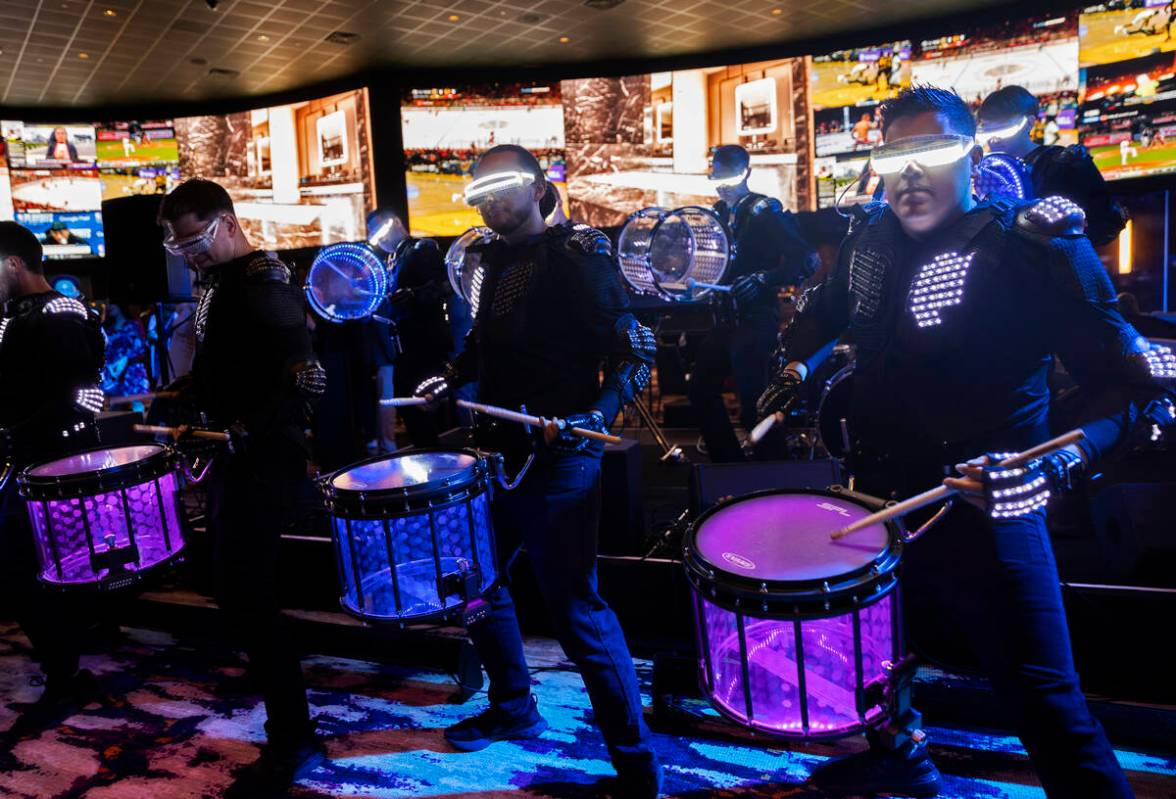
x=196 y=244
x=927 y=151
x=500 y=184
x=985 y=134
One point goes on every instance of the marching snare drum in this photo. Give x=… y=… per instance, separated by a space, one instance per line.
x=663 y=253
x=104 y=517
x=797 y=633
x=413 y=535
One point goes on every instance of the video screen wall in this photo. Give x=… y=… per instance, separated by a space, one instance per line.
x=300 y=175
x=444 y=130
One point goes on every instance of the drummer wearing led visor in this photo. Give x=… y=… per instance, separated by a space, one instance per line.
x=256 y=375
x=51 y=358
x=551 y=313
x=956 y=308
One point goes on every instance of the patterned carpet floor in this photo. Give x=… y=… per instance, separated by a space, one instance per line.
x=179 y=717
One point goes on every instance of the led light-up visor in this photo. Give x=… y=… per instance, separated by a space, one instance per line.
x=499 y=184
x=929 y=152
x=196 y=244
x=986 y=134
x=730 y=180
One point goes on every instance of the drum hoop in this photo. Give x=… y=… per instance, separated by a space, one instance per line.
x=701 y=294
x=873 y=579
x=97 y=481
x=403 y=622
x=395 y=507
x=120 y=581
x=351 y=498
x=836 y=379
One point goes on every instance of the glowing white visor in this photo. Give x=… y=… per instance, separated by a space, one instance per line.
x=733 y=180
x=928 y=152
x=984 y=134
x=482 y=189
x=195 y=244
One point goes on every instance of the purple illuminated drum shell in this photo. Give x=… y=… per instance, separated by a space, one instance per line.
x=400 y=523
x=793 y=627
x=104 y=517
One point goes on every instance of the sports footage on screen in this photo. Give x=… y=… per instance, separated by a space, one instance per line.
x=70 y=146
x=445 y=129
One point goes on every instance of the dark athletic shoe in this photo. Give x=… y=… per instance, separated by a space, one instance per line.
x=907 y=771
x=492 y=725
x=60 y=700
x=272 y=775
x=644 y=783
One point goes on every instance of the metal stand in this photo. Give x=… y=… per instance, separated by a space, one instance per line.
x=669 y=451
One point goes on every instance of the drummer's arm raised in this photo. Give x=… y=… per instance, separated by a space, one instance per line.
x=822 y=314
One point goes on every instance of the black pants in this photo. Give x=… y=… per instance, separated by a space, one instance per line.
x=48 y=617
x=991 y=589
x=742 y=352
x=555 y=512
x=251 y=500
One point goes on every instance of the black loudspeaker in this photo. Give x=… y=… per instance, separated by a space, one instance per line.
x=710 y=482
x=138 y=269
x=621 y=528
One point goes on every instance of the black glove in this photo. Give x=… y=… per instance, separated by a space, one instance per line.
x=567 y=441
x=779 y=394
x=1013 y=491
x=749 y=287
x=436 y=387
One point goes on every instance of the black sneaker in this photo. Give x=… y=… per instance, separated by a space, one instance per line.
x=61 y=698
x=644 y=783
x=272 y=774
x=907 y=771
x=492 y=725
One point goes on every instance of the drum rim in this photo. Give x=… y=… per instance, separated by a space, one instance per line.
x=111 y=478
x=748 y=595
x=317 y=307
x=346 y=496
x=834 y=380
x=700 y=294
x=107 y=583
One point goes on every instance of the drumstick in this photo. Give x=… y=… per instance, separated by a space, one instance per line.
x=130 y=398
x=175 y=432
x=691 y=283
x=767 y=423
x=943 y=492
x=400 y=402
x=523 y=418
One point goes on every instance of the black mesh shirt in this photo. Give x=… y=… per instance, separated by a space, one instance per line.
x=252 y=339
x=546 y=323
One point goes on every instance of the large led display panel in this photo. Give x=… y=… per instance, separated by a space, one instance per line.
x=446 y=129
x=845 y=89
x=137 y=158
x=300 y=175
x=1128 y=101
x=645 y=140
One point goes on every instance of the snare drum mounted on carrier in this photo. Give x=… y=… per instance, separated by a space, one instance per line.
x=104 y=517
x=412 y=534
x=798 y=634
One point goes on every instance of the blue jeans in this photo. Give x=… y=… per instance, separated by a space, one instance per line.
x=991 y=589
x=555 y=513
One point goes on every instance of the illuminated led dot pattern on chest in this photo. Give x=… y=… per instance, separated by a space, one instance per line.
x=1161 y=362
x=4 y=328
x=939 y=285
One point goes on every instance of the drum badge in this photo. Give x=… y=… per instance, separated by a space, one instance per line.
x=739 y=561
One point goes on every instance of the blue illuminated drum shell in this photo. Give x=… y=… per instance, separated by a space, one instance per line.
x=347 y=282
x=403 y=522
x=1003 y=175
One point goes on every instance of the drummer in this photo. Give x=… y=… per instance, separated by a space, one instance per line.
x=552 y=311
x=769 y=253
x=51 y=356
x=254 y=374
x=956 y=308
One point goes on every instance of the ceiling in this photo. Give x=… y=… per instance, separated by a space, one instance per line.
x=85 y=53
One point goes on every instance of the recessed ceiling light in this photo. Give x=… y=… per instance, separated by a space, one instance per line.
x=564 y=40
x=83 y=56
x=198 y=61
x=262 y=38
x=110 y=12
x=453 y=17
x=777 y=12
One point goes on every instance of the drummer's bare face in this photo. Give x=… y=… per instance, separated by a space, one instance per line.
x=511 y=214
